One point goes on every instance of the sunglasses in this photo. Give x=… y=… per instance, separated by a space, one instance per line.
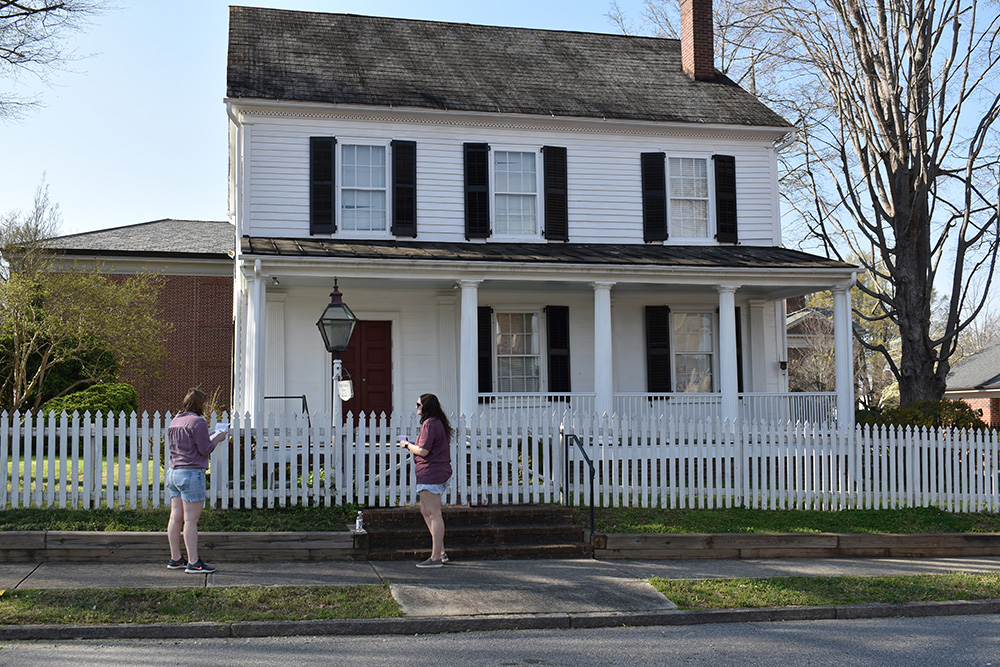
x=419 y=406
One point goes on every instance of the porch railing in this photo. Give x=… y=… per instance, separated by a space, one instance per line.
x=814 y=408
x=546 y=402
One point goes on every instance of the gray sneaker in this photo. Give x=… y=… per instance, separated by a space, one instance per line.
x=431 y=563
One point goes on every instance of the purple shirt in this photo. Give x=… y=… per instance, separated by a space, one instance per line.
x=435 y=468
x=189 y=443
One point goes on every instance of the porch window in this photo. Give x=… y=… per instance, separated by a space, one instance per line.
x=694 y=352
x=363 y=188
x=515 y=177
x=518 y=353
x=689 y=209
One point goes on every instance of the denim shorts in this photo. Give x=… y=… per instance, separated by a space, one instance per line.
x=439 y=489
x=188 y=483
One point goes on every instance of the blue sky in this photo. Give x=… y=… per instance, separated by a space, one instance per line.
x=136 y=130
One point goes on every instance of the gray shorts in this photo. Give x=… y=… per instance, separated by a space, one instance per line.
x=186 y=483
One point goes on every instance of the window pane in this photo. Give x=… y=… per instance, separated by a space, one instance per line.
x=518 y=355
x=694 y=373
x=694 y=350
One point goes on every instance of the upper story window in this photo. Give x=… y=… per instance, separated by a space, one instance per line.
x=515 y=194
x=688 y=198
x=688 y=208
x=361 y=188
x=515 y=187
x=363 y=193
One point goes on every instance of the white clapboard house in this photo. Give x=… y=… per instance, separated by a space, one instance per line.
x=519 y=219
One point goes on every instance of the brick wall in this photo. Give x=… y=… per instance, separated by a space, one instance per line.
x=199 y=348
x=990 y=409
x=697 y=47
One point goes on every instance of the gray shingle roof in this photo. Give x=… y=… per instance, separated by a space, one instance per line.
x=554 y=253
x=979 y=371
x=172 y=238
x=349 y=59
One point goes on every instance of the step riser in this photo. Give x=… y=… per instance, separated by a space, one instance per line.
x=503 y=532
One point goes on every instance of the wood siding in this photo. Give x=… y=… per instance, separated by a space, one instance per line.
x=604 y=190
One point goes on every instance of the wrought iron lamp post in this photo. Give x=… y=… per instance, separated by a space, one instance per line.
x=336 y=325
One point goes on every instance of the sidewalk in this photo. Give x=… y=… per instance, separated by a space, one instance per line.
x=484 y=595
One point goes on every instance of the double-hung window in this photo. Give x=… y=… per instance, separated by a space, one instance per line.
x=515 y=193
x=688 y=208
x=362 y=188
x=363 y=192
x=688 y=198
x=518 y=352
x=694 y=351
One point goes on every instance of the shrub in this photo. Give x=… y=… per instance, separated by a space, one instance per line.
x=112 y=397
x=932 y=414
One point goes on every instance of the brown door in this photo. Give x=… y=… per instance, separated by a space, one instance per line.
x=369 y=361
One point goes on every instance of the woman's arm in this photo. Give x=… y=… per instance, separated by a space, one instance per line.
x=420 y=447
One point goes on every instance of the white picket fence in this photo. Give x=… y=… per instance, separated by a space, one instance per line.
x=80 y=461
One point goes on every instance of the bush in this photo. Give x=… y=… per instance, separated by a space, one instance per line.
x=932 y=414
x=112 y=397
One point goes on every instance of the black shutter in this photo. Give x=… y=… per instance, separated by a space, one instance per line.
x=558 y=330
x=556 y=210
x=725 y=199
x=739 y=351
x=477 y=191
x=404 y=188
x=322 y=185
x=485 y=337
x=654 y=197
x=657 y=349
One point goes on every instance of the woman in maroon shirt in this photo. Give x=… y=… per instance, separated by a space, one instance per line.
x=432 y=457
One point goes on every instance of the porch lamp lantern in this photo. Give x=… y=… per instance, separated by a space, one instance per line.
x=336 y=325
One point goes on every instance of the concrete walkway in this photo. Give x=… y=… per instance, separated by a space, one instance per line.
x=483 y=594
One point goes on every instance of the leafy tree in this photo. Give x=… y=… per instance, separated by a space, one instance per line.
x=32 y=34
x=56 y=315
x=897 y=103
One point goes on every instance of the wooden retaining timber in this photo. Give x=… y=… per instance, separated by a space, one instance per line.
x=793 y=545
x=146 y=547
x=80 y=546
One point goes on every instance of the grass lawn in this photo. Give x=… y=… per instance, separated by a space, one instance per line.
x=743 y=593
x=740 y=520
x=187 y=605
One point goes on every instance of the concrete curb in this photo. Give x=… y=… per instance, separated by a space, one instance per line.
x=446 y=624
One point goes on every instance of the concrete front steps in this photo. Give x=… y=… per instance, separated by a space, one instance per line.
x=491 y=533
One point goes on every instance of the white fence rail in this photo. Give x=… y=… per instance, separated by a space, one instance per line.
x=506 y=457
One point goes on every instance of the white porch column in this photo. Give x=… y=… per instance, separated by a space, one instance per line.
x=252 y=341
x=603 y=367
x=260 y=346
x=728 y=377
x=468 y=386
x=843 y=356
x=758 y=353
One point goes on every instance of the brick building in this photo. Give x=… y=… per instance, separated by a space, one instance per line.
x=976 y=380
x=194 y=260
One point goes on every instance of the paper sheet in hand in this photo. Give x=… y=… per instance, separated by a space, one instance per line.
x=220 y=427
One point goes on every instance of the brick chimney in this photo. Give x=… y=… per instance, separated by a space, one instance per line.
x=697 y=45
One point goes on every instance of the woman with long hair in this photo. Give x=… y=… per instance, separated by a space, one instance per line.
x=190 y=446
x=432 y=456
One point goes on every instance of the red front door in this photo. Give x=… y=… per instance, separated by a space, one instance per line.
x=369 y=361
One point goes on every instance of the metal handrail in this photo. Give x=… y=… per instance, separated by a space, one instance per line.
x=570 y=438
x=305 y=406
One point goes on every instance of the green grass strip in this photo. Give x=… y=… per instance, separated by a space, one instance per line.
x=740 y=520
x=782 y=591
x=187 y=605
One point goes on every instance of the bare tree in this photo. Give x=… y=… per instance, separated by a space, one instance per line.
x=32 y=41
x=898 y=159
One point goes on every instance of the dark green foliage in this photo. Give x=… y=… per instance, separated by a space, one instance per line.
x=932 y=414
x=112 y=397
x=74 y=373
